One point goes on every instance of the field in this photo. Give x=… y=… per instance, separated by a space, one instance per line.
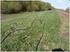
x=32 y=31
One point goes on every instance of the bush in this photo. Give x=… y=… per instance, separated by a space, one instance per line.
x=48 y=6
x=4 y=7
x=10 y=7
x=17 y=6
x=67 y=10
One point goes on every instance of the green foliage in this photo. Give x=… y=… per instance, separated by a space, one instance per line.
x=4 y=7
x=17 y=6
x=11 y=6
x=49 y=7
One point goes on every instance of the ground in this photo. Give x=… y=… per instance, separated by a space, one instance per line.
x=64 y=28
x=41 y=31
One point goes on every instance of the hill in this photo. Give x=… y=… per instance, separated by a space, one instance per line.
x=37 y=31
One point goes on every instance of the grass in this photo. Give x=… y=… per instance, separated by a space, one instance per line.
x=32 y=31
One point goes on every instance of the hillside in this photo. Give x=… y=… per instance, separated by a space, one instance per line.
x=32 y=31
x=64 y=27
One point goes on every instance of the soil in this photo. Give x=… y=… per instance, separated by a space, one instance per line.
x=64 y=27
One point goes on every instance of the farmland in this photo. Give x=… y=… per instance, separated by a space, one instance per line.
x=32 y=31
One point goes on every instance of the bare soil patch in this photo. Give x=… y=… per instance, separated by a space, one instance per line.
x=64 y=27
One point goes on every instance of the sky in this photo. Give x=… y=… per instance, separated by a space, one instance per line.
x=60 y=4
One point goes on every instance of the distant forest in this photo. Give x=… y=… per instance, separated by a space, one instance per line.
x=18 y=6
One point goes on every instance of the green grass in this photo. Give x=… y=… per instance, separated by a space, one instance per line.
x=37 y=31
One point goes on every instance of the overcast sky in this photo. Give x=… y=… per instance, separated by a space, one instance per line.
x=60 y=4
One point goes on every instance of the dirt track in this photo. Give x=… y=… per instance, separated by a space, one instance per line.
x=64 y=27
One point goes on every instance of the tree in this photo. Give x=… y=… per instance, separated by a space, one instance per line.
x=10 y=6
x=17 y=6
x=4 y=6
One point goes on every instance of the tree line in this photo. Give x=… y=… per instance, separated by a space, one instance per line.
x=18 y=6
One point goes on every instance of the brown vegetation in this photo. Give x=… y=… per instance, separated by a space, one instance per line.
x=64 y=28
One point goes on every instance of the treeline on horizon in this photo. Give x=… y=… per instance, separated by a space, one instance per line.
x=18 y=6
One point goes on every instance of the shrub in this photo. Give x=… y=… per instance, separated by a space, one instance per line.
x=17 y=6
x=10 y=7
x=67 y=10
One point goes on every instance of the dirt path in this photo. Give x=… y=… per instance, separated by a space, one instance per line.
x=64 y=28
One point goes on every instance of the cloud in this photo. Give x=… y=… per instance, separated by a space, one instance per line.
x=60 y=0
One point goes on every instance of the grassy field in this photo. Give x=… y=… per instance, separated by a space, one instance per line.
x=32 y=31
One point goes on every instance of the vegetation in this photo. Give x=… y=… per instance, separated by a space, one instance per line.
x=67 y=10
x=18 y=6
x=32 y=31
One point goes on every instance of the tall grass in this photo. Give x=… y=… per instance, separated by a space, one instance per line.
x=34 y=31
